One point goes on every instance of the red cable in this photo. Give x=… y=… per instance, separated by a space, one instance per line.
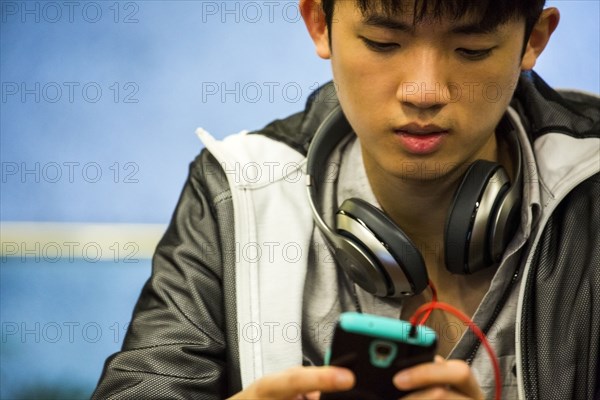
x=428 y=308
x=434 y=299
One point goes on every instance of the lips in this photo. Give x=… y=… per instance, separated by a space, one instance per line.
x=417 y=129
x=421 y=139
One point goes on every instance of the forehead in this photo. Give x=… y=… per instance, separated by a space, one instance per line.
x=483 y=15
x=409 y=24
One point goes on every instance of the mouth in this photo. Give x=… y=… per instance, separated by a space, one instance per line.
x=421 y=139
x=417 y=129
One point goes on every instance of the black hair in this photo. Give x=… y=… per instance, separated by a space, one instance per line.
x=490 y=12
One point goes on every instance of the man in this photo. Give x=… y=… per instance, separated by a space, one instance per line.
x=426 y=88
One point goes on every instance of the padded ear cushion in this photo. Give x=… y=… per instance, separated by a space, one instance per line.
x=394 y=239
x=461 y=215
x=505 y=222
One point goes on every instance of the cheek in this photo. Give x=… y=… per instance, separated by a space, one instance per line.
x=352 y=77
x=502 y=80
x=485 y=97
x=359 y=90
x=489 y=95
x=356 y=73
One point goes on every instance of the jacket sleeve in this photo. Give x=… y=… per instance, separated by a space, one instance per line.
x=175 y=345
x=560 y=328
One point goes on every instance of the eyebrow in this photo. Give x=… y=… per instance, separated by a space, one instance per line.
x=382 y=21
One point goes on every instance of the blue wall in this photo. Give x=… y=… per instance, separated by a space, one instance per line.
x=164 y=63
x=156 y=68
x=99 y=105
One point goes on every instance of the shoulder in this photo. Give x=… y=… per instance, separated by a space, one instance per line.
x=263 y=152
x=298 y=129
x=546 y=110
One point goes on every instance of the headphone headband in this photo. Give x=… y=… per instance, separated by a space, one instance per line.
x=332 y=130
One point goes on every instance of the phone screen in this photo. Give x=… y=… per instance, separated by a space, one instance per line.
x=375 y=348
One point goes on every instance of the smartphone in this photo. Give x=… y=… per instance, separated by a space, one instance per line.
x=375 y=348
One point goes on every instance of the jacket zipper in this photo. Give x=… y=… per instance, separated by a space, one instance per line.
x=495 y=314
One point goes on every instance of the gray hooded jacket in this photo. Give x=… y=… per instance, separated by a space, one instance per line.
x=186 y=339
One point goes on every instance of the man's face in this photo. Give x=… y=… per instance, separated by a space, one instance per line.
x=424 y=100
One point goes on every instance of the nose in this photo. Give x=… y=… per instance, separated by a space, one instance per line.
x=423 y=84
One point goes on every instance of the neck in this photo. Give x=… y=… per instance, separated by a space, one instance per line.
x=420 y=207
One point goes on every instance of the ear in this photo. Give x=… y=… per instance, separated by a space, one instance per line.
x=540 y=35
x=314 y=18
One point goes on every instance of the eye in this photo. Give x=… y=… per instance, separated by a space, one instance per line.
x=475 y=55
x=379 y=46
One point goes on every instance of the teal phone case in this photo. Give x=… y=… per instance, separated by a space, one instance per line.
x=376 y=348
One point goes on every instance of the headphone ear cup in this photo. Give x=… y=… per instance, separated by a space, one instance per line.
x=505 y=222
x=465 y=209
x=401 y=263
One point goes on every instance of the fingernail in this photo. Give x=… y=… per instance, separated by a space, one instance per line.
x=344 y=378
x=401 y=379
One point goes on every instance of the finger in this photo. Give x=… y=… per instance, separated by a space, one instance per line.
x=313 y=396
x=435 y=393
x=455 y=373
x=302 y=380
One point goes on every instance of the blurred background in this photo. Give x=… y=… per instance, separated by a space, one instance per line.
x=99 y=103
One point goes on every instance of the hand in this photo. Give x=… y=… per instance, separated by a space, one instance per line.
x=298 y=383
x=441 y=379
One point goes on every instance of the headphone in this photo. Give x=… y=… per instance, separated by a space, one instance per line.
x=378 y=256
